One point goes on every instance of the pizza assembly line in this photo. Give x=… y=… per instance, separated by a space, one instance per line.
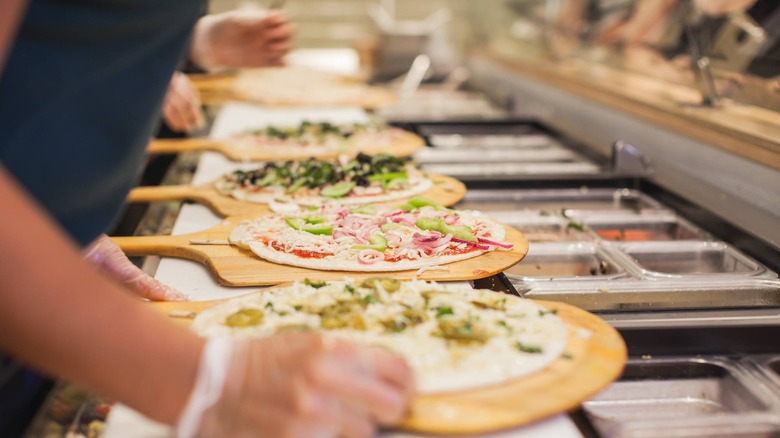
x=349 y=233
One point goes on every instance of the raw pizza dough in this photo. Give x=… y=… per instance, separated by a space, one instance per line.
x=453 y=337
x=345 y=247
x=415 y=183
x=292 y=86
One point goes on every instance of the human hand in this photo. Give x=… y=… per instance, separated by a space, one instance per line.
x=241 y=38
x=295 y=385
x=109 y=258
x=181 y=107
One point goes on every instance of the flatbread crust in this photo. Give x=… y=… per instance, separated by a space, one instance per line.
x=271 y=238
x=453 y=337
x=418 y=183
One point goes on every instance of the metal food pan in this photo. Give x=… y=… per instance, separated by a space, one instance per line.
x=523 y=129
x=549 y=201
x=629 y=293
x=692 y=259
x=466 y=170
x=641 y=228
x=581 y=261
x=658 y=395
x=431 y=155
x=529 y=141
x=541 y=229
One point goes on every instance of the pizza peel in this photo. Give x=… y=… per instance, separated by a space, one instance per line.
x=234 y=266
x=594 y=357
x=222 y=88
x=405 y=145
x=446 y=191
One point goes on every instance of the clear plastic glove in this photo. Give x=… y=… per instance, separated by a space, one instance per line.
x=181 y=108
x=109 y=258
x=295 y=385
x=241 y=38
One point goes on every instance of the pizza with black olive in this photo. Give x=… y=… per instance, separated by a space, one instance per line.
x=360 y=180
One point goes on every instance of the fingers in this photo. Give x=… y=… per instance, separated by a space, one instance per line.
x=181 y=107
x=359 y=380
x=109 y=258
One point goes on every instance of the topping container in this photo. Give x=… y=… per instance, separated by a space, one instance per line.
x=683 y=397
x=552 y=200
x=580 y=261
x=528 y=141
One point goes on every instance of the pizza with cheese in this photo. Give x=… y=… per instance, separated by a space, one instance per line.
x=360 y=180
x=319 y=139
x=453 y=337
x=369 y=238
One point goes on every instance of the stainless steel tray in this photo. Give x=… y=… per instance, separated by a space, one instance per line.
x=580 y=261
x=683 y=397
x=515 y=141
x=641 y=228
x=541 y=229
x=555 y=200
x=692 y=259
x=542 y=155
x=466 y=170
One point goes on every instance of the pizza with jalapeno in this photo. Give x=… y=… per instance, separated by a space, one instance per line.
x=453 y=337
x=369 y=238
x=318 y=139
x=360 y=180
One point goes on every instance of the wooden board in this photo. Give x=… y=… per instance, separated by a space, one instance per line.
x=594 y=357
x=237 y=267
x=446 y=191
x=406 y=145
x=220 y=89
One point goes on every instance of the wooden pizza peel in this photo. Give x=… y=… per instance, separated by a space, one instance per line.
x=404 y=146
x=222 y=88
x=446 y=191
x=594 y=357
x=234 y=266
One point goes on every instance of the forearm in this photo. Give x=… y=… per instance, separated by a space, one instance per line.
x=64 y=318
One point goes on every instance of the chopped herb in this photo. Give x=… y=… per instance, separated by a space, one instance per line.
x=269 y=305
x=443 y=310
x=351 y=289
x=545 y=312
x=575 y=225
x=567 y=356
x=368 y=299
x=314 y=284
x=544 y=213
x=297 y=307
x=563 y=213
x=526 y=348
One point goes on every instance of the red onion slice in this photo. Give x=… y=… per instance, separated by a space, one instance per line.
x=495 y=243
x=370 y=256
x=470 y=243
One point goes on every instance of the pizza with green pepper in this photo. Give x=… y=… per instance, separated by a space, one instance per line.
x=371 y=238
x=360 y=180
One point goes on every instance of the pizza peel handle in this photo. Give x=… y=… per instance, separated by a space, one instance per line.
x=175 y=146
x=170 y=246
x=206 y=195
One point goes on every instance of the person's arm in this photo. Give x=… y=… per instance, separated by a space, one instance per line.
x=10 y=16
x=64 y=318
x=241 y=38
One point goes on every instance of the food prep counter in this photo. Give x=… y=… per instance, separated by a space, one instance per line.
x=695 y=294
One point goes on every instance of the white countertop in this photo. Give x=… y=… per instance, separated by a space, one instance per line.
x=199 y=284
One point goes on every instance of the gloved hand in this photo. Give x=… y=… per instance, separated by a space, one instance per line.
x=295 y=385
x=109 y=258
x=241 y=38
x=181 y=106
